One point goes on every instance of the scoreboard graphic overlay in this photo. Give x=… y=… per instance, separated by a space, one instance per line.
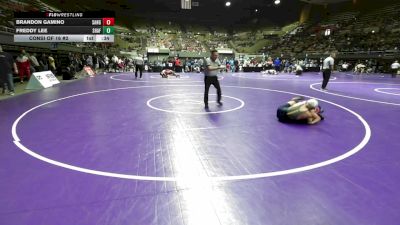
x=64 y=26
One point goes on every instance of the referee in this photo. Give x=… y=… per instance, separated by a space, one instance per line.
x=327 y=67
x=212 y=67
x=139 y=63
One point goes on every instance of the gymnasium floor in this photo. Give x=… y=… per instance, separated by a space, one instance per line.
x=115 y=150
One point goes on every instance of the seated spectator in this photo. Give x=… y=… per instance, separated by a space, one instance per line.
x=269 y=64
x=69 y=72
x=287 y=68
x=298 y=70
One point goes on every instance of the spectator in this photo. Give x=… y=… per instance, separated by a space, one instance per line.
x=23 y=65
x=52 y=64
x=6 y=77
x=43 y=61
x=34 y=62
x=178 y=65
x=277 y=64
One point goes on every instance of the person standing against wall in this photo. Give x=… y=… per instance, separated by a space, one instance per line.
x=6 y=65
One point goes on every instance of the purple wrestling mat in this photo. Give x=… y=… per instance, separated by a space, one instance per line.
x=115 y=150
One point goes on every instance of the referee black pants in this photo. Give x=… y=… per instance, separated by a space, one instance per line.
x=326 y=73
x=208 y=80
x=139 y=68
x=394 y=73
